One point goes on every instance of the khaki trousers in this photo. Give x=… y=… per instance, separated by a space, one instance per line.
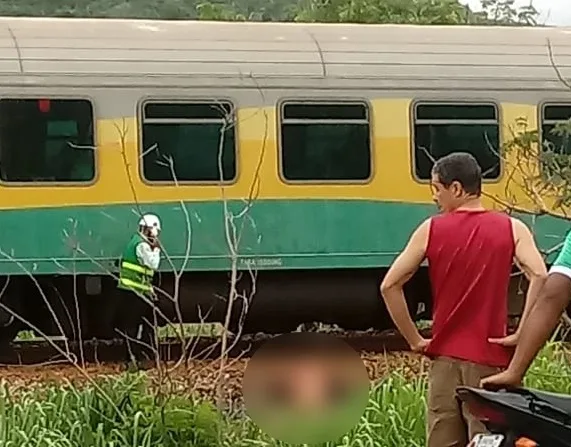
x=449 y=423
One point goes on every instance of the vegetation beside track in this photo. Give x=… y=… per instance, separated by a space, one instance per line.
x=126 y=409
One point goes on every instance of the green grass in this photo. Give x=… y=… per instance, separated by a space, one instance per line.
x=26 y=335
x=311 y=426
x=191 y=330
x=125 y=413
x=173 y=331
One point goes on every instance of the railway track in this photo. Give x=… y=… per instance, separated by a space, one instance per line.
x=37 y=351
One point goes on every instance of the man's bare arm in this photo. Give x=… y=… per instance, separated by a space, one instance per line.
x=551 y=303
x=531 y=262
x=404 y=266
x=544 y=317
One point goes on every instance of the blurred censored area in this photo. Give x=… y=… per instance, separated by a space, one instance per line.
x=306 y=388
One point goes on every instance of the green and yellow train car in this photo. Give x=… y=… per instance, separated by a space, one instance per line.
x=303 y=149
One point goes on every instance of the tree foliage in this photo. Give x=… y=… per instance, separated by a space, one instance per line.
x=538 y=170
x=421 y=12
x=504 y=12
x=438 y=12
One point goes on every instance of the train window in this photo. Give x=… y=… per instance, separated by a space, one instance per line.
x=440 y=129
x=46 y=140
x=192 y=135
x=325 y=142
x=552 y=116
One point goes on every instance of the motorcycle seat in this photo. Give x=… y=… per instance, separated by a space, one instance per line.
x=518 y=397
x=560 y=401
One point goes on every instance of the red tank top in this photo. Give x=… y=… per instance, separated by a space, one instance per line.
x=470 y=256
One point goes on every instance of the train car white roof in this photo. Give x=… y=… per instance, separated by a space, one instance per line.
x=118 y=47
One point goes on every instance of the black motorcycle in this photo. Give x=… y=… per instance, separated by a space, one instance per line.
x=519 y=417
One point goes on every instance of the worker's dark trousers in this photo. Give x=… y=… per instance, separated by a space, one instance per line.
x=139 y=326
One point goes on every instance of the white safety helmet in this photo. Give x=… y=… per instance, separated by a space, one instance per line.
x=151 y=221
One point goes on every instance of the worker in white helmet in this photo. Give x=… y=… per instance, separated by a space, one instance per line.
x=141 y=257
x=139 y=262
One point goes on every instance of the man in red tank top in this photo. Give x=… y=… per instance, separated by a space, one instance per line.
x=470 y=253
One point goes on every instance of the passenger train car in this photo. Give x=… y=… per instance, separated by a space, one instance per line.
x=298 y=152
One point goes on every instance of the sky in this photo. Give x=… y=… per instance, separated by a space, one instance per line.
x=552 y=12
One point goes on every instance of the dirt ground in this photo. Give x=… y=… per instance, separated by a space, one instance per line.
x=198 y=377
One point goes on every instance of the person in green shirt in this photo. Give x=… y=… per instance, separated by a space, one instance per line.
x=139 y=262
x=552 y=301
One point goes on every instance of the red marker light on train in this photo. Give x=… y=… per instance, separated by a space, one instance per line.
x=44 y=105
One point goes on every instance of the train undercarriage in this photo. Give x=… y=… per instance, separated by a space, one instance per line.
x=279 y=302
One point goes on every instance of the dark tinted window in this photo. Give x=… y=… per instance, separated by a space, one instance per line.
x=440 y=129
x=46 y=140
x=554 y=115
x=327 y=142
x=196 y=136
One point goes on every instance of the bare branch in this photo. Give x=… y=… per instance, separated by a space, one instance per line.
x=233 y=236
x=560 y=76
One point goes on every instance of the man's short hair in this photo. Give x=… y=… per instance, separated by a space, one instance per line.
x=460 y=167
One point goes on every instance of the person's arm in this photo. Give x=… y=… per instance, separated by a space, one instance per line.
x=552 y=301
x=148 y=256
x=531 y=262
x=542 y=322
x=404 y=266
